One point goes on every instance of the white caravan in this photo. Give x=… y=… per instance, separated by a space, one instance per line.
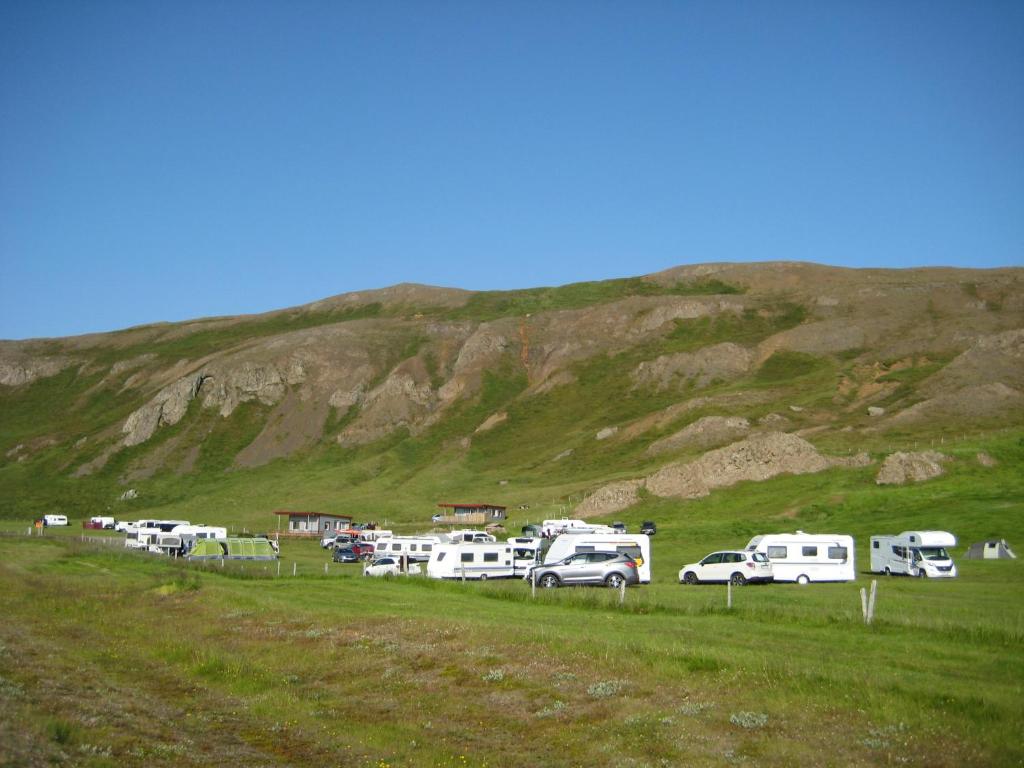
x=413 y=547
x=914 y=553
x=144 y=533
x=636 y=545
x=806 y=557
x=552 y=528
x=472 y=560
x=49 y=520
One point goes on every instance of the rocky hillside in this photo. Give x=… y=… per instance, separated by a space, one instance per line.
x=671 y=384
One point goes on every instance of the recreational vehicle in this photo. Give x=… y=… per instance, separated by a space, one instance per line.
x=636 y=545
x=49 y=520
x=914 y=553
x=471 y=560
x=144 y=533
x=806 y=557
x=480 y=537
x=413 y=547
x=552 y=528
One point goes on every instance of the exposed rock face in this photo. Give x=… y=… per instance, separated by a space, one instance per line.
x=492 y=421
x=900 y=468
x=721 y=361
x=979 y=402
x=825 y=337
x=400 y=401
x=611 y=498
x=14 y=373
x=991 y=359
x=246 y=383
x=167 y=408
x=758 y=458
x=703 y=433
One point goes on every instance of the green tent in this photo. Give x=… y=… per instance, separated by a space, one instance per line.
x=232 y=549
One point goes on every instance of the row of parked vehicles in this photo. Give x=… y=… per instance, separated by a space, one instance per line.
x=575 y=552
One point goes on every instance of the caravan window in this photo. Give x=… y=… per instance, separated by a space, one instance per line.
x=584 y=548
x=467 y=557
x=428 y=547
x=440 y=556
x=874 y=544
x=490 y=557
x=810 y=551
x=777 y=553
x=837 y=553
x=633 y=551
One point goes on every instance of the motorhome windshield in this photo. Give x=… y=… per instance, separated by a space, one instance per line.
x=933 y=553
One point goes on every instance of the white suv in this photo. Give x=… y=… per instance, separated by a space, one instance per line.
x=733 y=566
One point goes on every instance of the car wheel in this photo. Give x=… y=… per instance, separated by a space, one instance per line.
x=802 y=580
x=615 y=581
x=921 y=574
x=549 y=581
x=738 y=580
x=888 y=571
x=483 y=577
x=690 y=578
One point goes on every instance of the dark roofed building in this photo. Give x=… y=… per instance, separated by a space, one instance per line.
x=315 y=523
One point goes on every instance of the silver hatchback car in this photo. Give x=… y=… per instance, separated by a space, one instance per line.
x=611 y=569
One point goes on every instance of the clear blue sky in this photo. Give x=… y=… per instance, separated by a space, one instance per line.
x=169 y=160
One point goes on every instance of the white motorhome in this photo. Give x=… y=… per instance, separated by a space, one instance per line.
x=49 y=520
x=552 y=528
x=472 y=560
x=416 y=548
x=636 y=545
x=914 y=553
x=371 y=535
x=806 y=557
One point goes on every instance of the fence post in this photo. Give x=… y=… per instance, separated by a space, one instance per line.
x=622 y=592
x=533 y=579
x=728 y=594
x=864 y=604
x=295 y=568
x=325 y=569
x=279 y=567
x=871 y=600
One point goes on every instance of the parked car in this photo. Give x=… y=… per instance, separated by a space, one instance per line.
x=733 y=566
x=345 y=555
x=619 y=527
x=611 y=569
x=648 y=528
x=389 y=566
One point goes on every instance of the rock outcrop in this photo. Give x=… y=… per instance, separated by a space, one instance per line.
x=166 y=408
x=707 y=432
x=908 y=467
x=723 y=362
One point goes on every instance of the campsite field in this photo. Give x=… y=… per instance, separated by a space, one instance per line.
x=113 y=658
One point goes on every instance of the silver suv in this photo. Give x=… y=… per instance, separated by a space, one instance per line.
x=611 y=569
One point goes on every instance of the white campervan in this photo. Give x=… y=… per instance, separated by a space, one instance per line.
x=914 y=553
x=468 y=535
x=472 y=560
x=806 y=557
x=49 y=520
x=636 y=545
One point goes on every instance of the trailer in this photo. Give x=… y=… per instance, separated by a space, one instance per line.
x=472 y=560
x=914 y=553
x=416 y=548
x=636 y=545
x=806 y=557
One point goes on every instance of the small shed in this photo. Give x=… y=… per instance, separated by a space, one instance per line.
x=472 y=514
x=314 y=523
x=991 y=550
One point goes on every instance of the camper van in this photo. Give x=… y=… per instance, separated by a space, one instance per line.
x=636 y=545
x=472 y=560
x=914 y=553
x=49 y=520
x=144 y=534
x=806 y=557
x=416 y=548
x=552 y=528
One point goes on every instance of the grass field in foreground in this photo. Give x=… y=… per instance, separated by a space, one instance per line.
x=113 y=658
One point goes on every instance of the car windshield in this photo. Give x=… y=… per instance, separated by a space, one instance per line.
x=934 y=553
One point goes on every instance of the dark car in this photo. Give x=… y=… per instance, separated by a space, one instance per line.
x=611 y=569
x=345 y=555
x=648 y=528
x=619 y=527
